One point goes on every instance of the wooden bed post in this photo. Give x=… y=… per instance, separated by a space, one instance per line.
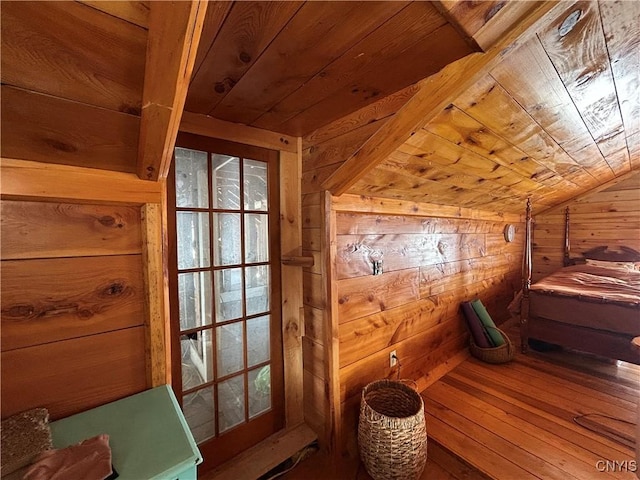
x=567 y=244
x=526 y=281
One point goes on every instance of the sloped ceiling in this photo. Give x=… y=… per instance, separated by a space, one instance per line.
x=557 y=116
x=552 y=115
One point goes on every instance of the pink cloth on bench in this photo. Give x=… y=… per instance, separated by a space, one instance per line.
x=88 y=460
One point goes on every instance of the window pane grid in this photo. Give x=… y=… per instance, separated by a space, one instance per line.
x=259 y=384
x=195 y=270
x=188 y=391
x=199 y=408
x=243 y=319
x=220 y=324
x=244 y=371
x=209 y=332
x=230 y=393
x=240 y=385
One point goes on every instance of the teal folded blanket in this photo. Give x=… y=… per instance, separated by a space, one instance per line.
x=486 y=320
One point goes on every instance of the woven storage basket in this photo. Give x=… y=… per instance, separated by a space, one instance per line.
x=502 y=354
x=392 y=434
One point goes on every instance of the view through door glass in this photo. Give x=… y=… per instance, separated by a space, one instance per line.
x=225 y=308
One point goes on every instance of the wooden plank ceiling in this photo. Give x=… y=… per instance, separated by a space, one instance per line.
x=72 y=80
x=292 y=67
x=548 y=117
x=558 y=115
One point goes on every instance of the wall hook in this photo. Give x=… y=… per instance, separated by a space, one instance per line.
x=377 y=267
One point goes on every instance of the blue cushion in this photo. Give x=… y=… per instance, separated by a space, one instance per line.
x=486 y=320
x=478 y=332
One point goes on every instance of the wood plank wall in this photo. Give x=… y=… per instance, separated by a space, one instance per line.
x=607 y=217
x=323 y=151
x=73 y=305
x=434 y=257
x=65 y=230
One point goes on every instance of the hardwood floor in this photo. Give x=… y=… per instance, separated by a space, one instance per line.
x=441 y=465
x=527 y=419
x=554 y=415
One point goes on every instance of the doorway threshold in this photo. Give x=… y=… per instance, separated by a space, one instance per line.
x=266 y=455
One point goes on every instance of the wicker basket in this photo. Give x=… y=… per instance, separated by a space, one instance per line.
x=502 y=354
x=392 y=434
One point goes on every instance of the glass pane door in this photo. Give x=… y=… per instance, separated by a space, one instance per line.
x=226 y=330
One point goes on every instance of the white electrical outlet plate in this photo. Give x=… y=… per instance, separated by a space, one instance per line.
x=393 y=358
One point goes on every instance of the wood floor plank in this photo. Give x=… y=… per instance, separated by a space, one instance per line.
x=516 y=421
x=456 y=467
x=561 y=394
x=433 y=470
x=589 y=441
x=465 y=445
x=441 y=465
x=502 y=439
x=572 y=459
x=557 y=399
x=598 y=393
x=615 y=374
x=542 y=407
x=524 y=411
x=529 y=396
x=626 y=373
x=617 y=389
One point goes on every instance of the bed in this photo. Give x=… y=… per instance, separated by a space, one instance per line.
x=591 y=305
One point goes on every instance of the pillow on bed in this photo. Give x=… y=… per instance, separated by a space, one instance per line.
x=487 y=321
x=478 y=332
x=606 y=264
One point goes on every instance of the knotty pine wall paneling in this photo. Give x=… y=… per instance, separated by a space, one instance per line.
x=432 y=261
x=607 y=217
x=73 y=305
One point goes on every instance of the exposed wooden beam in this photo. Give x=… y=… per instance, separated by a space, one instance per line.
x=135 y=12
x=26 y=180
x=174 y=34
x=291 y=222
x=434 y=95
x=504 y=19
x=199 y=124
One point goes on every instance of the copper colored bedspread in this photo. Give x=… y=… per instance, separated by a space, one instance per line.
x=593 y=297
x=592 y=283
